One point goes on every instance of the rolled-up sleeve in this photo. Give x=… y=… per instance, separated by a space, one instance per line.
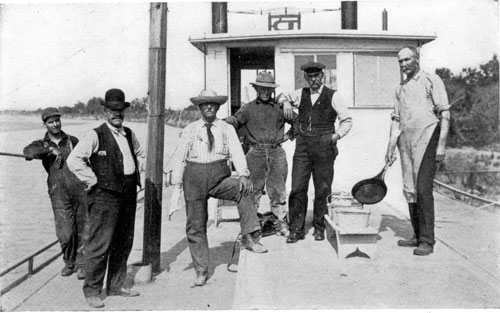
x=292 y=97
x=78 y=160
x=439 y=95
x=345 y=119
x=395 y=114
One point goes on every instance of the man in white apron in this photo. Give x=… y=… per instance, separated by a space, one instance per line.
x=420 y=124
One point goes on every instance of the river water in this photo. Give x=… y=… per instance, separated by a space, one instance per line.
x=26 y=216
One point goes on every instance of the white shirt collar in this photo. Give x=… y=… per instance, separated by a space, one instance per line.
x=120 y=130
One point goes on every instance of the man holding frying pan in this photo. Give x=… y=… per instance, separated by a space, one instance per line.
x=419 y=128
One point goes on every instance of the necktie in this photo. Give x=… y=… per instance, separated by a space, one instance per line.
x=210 y=136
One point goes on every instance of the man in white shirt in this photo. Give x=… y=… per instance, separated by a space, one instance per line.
x=201 y=168
x=108 y=160
x=315 y=149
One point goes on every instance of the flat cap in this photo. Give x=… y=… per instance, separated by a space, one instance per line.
x=49 y=112
x=312 y=67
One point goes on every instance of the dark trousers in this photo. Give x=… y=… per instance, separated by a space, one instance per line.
x=422 y=212
x=110 y=237
x=313 y=156
x=202 y=181
x=70 y=206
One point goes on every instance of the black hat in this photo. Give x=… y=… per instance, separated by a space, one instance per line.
x=49 y=112
x=312 y=67
x=115 y=99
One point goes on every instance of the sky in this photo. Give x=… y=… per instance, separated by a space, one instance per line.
x=56 y=54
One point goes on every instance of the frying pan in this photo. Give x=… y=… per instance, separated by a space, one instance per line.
x=371 y=190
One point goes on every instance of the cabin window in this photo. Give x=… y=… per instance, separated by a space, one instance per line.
x=375 y=80
x=329 y=60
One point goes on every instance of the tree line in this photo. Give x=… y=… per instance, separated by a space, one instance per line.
x=474 y=93
x=475 y=112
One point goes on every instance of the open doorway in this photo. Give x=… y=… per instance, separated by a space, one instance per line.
x=245 y=63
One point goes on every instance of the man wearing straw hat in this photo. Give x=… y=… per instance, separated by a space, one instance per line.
x=201 y=168
x=265 y=124
x=108 y=160
x=67 y=193
x=315 y=148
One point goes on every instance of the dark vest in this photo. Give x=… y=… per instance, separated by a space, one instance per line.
x=319 y=119
x=107 y=163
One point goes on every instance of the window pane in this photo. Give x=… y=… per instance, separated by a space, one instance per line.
x=330 y=61
x=375 y=79
x=300 y=60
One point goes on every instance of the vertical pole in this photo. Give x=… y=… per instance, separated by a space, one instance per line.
x=156 y=128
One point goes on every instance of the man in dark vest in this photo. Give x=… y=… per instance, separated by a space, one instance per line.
x=315 y=149
x=108 y=160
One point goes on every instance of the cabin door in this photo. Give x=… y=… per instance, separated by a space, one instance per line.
x=245 y=63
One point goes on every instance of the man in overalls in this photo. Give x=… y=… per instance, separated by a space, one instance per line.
x=67 y=193
x=419 y=128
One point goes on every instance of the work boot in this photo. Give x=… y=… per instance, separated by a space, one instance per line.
x=201 y=279
x=319 y=234
x=423 y=249
x=282 y=229
x=68 y=270
x=252 y=242
x=95 y=302
x=80 y=273
x=123 y=292
x=294 y=237
x=412 y=242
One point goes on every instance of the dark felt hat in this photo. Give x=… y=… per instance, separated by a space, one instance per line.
x=265 y=79
x=49 y=112
x=312 y=67
x=115 y=99
x=208 y=96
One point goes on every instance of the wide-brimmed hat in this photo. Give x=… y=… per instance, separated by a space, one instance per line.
x=312 y=67
x=49 y=112
x=208 y=96
x=115 y=99
x=265 y=79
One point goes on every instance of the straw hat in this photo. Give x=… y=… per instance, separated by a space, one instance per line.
x=208 y=96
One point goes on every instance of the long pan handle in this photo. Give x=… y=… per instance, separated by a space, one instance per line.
x=382 y=174
x=27 y=157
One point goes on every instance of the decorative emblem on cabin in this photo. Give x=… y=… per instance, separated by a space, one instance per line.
x=288 y=19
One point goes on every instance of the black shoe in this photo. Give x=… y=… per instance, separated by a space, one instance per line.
x=294 y=237
x=412 y=242
x=423 y=249
x=68 y=271
x=319 y=234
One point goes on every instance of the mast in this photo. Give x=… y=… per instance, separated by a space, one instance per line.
x=156 y=130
